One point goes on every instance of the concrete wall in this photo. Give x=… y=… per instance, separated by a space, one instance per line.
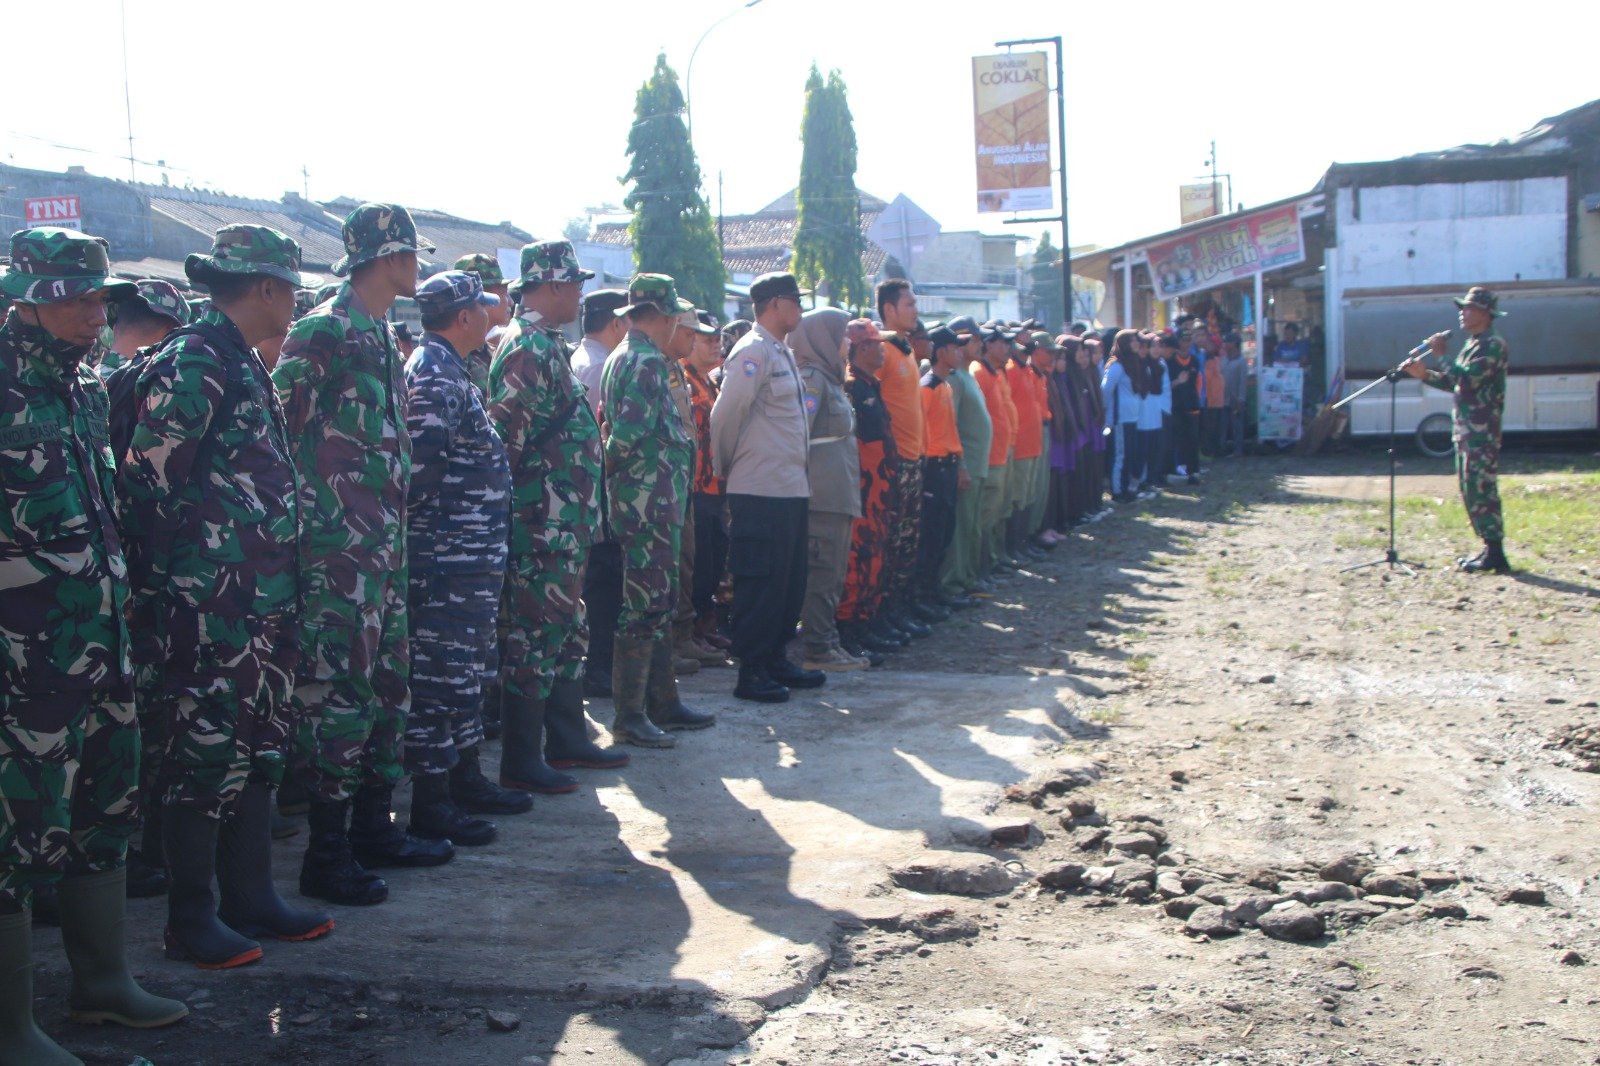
x=1451 y=233
x=1587 y=262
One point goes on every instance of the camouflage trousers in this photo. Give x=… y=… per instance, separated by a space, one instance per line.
x=543 y=629
x=905 y=528
x=352 y=691
x=211 y=718
x=650 y=558
x=1478 y=472
x=69 y=788
x=453 y=639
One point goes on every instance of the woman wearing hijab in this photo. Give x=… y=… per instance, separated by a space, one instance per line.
x=834 y=471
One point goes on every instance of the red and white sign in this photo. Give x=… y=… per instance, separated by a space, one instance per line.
x=60 y=211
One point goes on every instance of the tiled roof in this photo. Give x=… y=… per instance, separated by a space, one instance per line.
x=319 y=241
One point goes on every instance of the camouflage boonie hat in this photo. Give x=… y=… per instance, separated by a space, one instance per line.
x=1482 y=298
x=550 y=261
x=655 y=290
x=50 y=265
x=242 y=249
x=373 y=231
x=161 y=297
x=486 y=266
x=326 y=293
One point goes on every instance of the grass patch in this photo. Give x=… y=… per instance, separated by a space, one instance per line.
x=1552 y=519
x=1106 y=715
x=1140 y=663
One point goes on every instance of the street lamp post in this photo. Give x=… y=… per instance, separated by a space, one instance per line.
x=688 y=78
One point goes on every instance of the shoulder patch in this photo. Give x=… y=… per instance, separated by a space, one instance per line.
x=750 y=367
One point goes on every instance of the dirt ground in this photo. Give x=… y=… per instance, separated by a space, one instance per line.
x=1227 y=714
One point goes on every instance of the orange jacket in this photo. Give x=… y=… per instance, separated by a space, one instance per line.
x=1002 y=411
x=900 y=383
x=1025 y=395
x=939 y=418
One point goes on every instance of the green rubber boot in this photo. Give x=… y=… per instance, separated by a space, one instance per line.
x=103 y=990
x=21 y=1041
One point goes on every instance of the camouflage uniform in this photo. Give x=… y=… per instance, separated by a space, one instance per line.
x=69 y=742
x=163 y=298
x=458 y=512
x=211 y=520
x=649 y=457
x=553 y=443
x=1477 y=376
x=339 y=378
x=487 y=268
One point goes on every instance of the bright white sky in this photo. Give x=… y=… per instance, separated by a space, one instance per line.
x=497 y=110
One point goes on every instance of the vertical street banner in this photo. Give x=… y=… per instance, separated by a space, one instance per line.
x=1011 y=106
x=1227 y=251
x=1196 y=202
x=1278 y=402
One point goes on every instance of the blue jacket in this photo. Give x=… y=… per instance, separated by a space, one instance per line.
x=1122 y=403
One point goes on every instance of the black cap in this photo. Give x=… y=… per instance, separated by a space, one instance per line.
x=994 y=330
x=770 y=286
x=964 y=325
x=607 y=300
x=945 y=337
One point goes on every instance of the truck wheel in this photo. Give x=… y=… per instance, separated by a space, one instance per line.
x=1433 y=436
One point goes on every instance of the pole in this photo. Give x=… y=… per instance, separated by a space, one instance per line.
x=127 y=94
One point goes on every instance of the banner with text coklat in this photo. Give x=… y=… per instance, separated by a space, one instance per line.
x=1226 y=251
x=1011 y=105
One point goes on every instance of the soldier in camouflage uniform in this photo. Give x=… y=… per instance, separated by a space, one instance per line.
x=69 y=742
x=649 y=460
x=1477 y=376
x=340 y=381
x=140 y=320
x=458 y=511
x=487 y=269
x=211 y=523
x=553 y=442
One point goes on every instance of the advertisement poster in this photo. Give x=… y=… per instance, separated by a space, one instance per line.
x=1196 y=202
x=63 y=211
x=1278 y=395
x=1227 y=251
x=1011 y=104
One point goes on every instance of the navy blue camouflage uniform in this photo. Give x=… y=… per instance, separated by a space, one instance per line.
x=458 y=514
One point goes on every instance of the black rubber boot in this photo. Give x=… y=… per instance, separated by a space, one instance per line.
x=434 y=817
x=757 y=685
x=661 y=701
x=376 y=841
x=93 y=909
x=476 y=794
x=522 y=764
x=566 y=732
x=330 y=870
x=21 y=1040
x=194 y=932
x=786 y=673
x=293 y=798
x=630 y=666
x=250 y=904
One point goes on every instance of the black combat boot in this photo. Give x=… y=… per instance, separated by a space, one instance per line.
x=757 y=685
x=1493 y=560
x=474 y=793
x=194 y=933
x=566 y=732
x=661 y=702
x=786 y=673
x=376 y=842
x=250 y=903
x=435 y=818
x=330 y=870
x=522 y=765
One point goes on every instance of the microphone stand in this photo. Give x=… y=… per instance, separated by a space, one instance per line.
x=1391 y=558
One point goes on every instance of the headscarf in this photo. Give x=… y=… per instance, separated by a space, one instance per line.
x=817 y=341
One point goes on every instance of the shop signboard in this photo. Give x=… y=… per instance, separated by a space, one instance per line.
x=1227 y=251
x=63 y=211
x=1196 y=202
x=1278 y=394
x=1011 y=105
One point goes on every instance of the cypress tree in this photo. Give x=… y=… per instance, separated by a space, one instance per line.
x=827 y=239
x=673 y=231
